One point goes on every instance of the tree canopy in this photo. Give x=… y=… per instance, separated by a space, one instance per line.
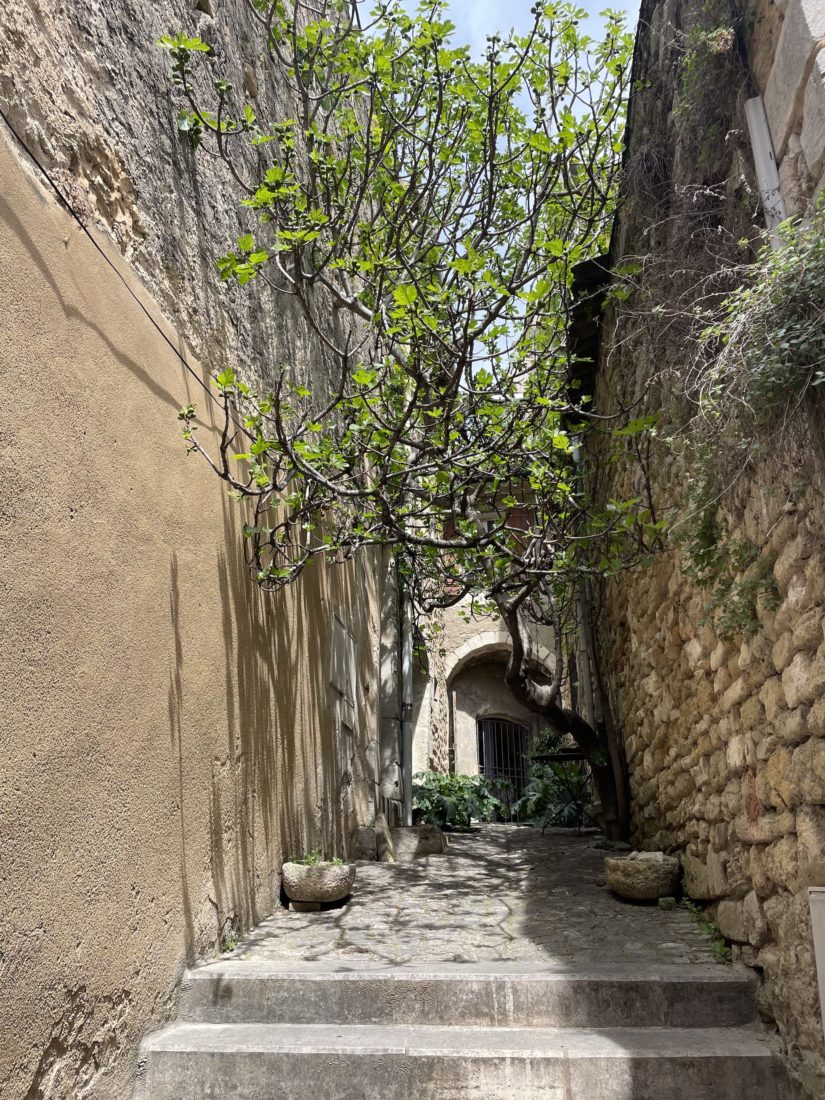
x=426 y=210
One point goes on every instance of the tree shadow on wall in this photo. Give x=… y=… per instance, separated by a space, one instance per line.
x=280 y=782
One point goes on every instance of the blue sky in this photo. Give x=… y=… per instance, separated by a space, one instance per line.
x=475 y=19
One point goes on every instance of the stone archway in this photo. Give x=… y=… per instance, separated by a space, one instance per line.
x=476 y=690
x=487 y=645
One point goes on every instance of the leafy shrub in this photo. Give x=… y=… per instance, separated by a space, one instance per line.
x=764 y=350
x=558 y=792
x=450 y=801
x=771 y=331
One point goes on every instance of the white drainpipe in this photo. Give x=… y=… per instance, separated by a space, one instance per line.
x=767 y=174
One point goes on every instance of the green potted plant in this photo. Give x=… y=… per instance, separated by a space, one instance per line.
x=310 y=881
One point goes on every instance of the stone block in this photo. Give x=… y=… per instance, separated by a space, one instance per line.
x=782 y=863
x=363 y=843
x=810 y=832
x=416 y=842
x=738 y=691
x=754 y=921
x=718 y=656
x=783 y=651
x=738 y=873
x=778 y=773
x=740 y=753
x=731 y=798
x=765 y=828
x=791 y=559
x=693 y=652
x=807 y=632
x=797 y=600
x=705 y=879
x=804 y=679
x=730 y=920
x=808 y=771
x=791 y=726
x=802 y=30
x=761 y=880
x=815 y=720
x=752 y=713
x=776 y=908
x=772 y=697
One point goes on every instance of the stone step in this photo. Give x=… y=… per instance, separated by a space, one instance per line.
x=489 y=994
x=340 y=1062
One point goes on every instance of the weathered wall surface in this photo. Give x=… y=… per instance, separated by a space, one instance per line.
x=89 y=92
x=168 y=737
x=479 y=691
x=725 y=739
x=787 y=44
x=449 y=694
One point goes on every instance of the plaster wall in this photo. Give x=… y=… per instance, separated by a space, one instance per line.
x=480 y=692
x=167 y=737
x=449 y=694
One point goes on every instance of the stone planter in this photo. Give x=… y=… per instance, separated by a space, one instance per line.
x=308 y=885
x=410 y=842
x=642 y=876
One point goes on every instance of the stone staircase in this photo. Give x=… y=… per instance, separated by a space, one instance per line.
x=257 y=1030
x=481 y=973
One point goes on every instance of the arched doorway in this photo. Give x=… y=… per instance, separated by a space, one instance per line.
x=503 y=746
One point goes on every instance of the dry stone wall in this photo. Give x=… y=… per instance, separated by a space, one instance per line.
x=725 y=737
x=791 y=37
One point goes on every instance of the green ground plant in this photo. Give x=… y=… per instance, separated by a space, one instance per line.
x=311 y=859
x=556 y=793
x=452 y=801
x=718 y=944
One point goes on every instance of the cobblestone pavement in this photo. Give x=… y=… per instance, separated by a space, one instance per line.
x=499 y=894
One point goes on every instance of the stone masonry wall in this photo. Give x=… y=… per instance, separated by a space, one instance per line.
x=726 y=739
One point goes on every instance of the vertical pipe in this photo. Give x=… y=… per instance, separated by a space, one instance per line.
x=406 y=708
x=582 y=605
x=767 y=175
x=584 y=656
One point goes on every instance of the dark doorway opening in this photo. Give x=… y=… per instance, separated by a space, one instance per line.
x=502 y=758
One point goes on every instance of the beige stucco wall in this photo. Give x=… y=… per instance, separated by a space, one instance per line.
x=167 y=735
x=480 y=692
x=464 y=679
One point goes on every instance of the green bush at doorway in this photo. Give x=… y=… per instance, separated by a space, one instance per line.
x=452 y=801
